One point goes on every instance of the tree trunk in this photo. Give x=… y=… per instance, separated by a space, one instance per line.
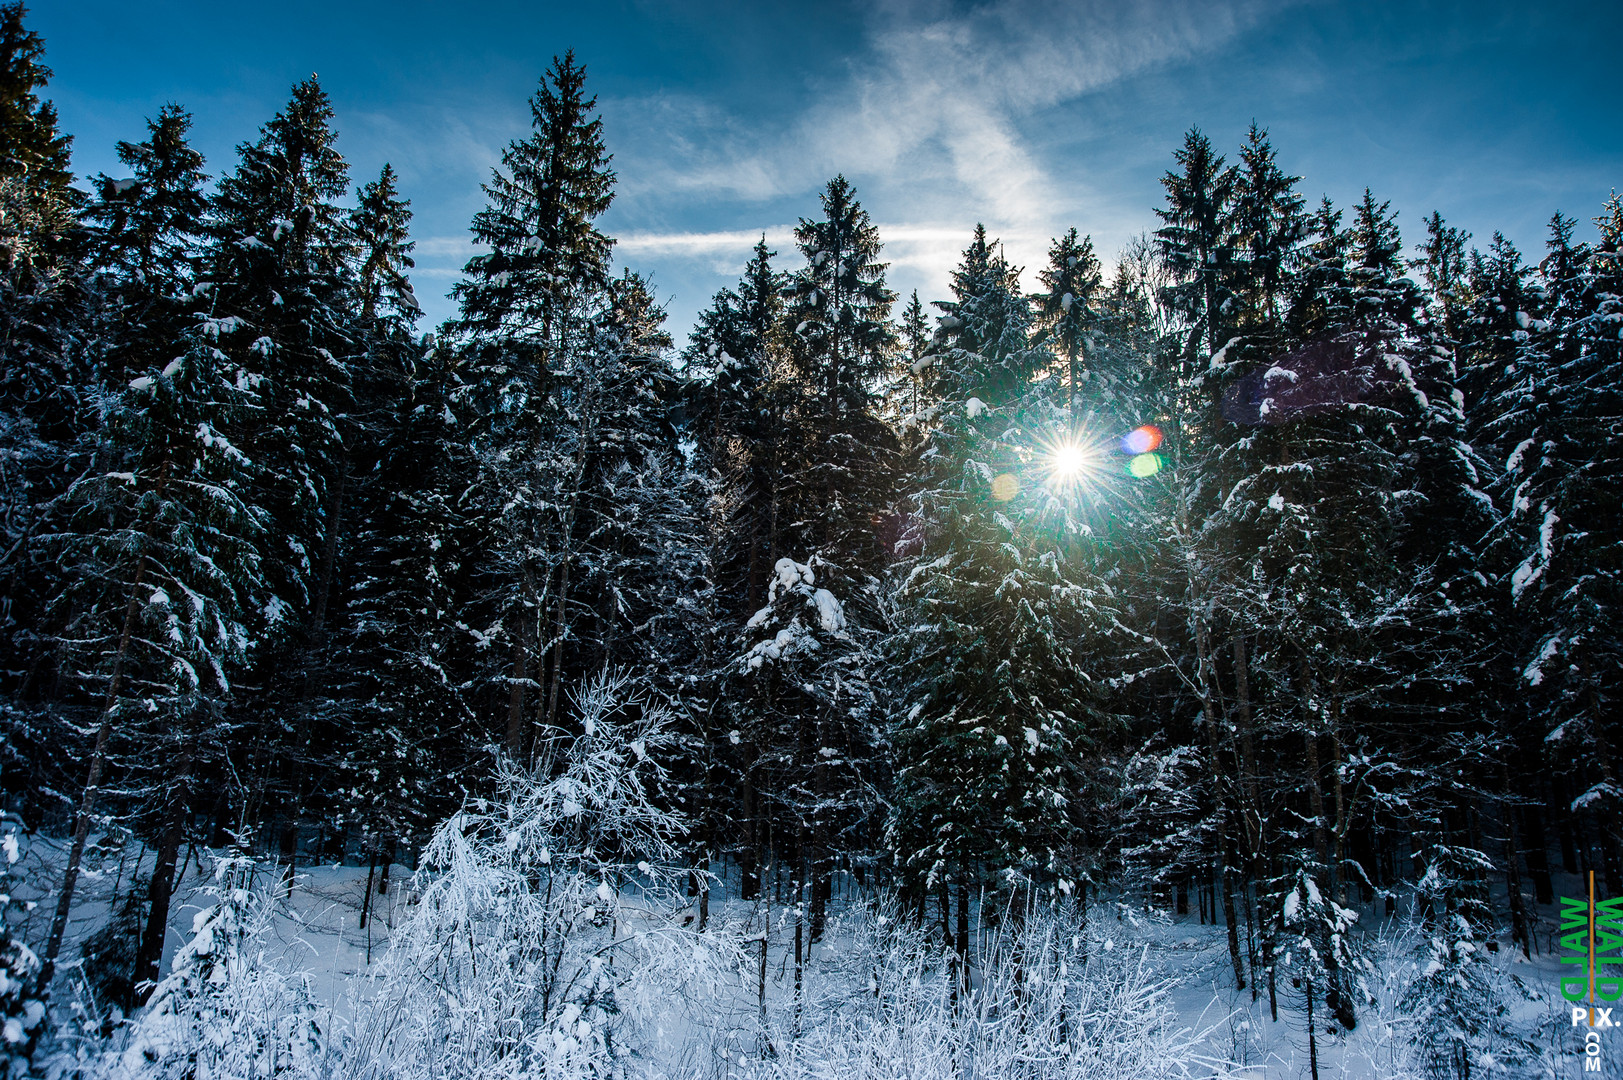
x=1562 y=810
x=963 y=920
x=371 y=871
x=1315 y=796
x=160 y=890
x=1232 y=919
x=799 y=885
x=559 y=625
x=515 y=698
x=329 y=556
x=1538 y=855
x=98 y=766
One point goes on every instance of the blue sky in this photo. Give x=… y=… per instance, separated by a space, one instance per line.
x=726 y=119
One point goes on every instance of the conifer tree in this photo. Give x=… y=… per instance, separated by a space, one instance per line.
x=997 y=707
x=736 y=352
x=44 y=382
x=276 y=282
x=31 y=147
x=745 y=394
x=526 y=308
x=914 y=336
x=1443 y=271
x=1195 y=238
x=166 y=554
x=801 y=695
x=1562 y=488
x=403 y=733
x=1066 y=313
x=841 y=341
x=839 y=304
x=1269 y=225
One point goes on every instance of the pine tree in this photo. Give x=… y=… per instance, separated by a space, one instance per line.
x=739 y=419
x=998 y=705
x=743 y=391
x=1443 y=270
x=45 y=391
x=800 y=692
x=1561 y=474
x=1195 y=239
x=1269 y=226
x=914 y=336
x=31 y=148
x=841 y=341
x=839 y=304
x=167 y=571
x=526 y=309
x=522 y=301
x=276 y=279
x=407 y=735
x=1322 y=272
x=1066 y=313
x=403 y=733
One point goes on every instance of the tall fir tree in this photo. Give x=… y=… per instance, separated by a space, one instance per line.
x=1067 y=312
x=998 y=707
x=1269 y=225
x=45 y=392
x=526 y=309
x=1195 y=239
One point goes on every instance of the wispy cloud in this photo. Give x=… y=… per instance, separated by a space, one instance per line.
x=930 y=118
x=937 y=95
x=702 y=243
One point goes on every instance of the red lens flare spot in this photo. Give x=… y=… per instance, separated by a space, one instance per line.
x=1141 y=440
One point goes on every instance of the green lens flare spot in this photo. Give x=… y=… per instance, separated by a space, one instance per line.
x=1145 y=465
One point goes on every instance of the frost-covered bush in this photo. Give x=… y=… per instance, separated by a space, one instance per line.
x=22 y=1010
x=543 y=917
x=1034 y=1007
x=1458 y=1004
x=229 y=1006
x=1314 y=943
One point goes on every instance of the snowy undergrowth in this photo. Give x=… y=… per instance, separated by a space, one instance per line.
x=1029 y=1002
x=879 y=999
x=229 y=1006
x=550 y=936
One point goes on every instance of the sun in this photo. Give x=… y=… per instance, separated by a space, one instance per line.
x=1069 y=461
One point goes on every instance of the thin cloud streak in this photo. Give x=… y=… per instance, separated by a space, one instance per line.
x=938 y=96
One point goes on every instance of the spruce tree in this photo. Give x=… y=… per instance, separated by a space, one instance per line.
x=744 y=394
x=31 y=148
x=1269 y=225
x=1195 y=239
x=276 y=283
x=1443 y=271
x=1067 y=313
x=841 y=341
x=839 y=304
x=526 y=308
x=402 y=732
x=1562 y=490
x=998 y=705
x=168 y=573
x=736 y=355
x=45 y=391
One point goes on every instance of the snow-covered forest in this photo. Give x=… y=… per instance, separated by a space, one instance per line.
x=930 y=659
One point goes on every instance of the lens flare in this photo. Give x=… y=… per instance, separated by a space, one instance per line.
x=1005 y=487
x=1142 y=439
x=1069 y=460
x=1145 y=465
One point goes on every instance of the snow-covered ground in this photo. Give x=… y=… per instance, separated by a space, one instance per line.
x=1171 y=969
